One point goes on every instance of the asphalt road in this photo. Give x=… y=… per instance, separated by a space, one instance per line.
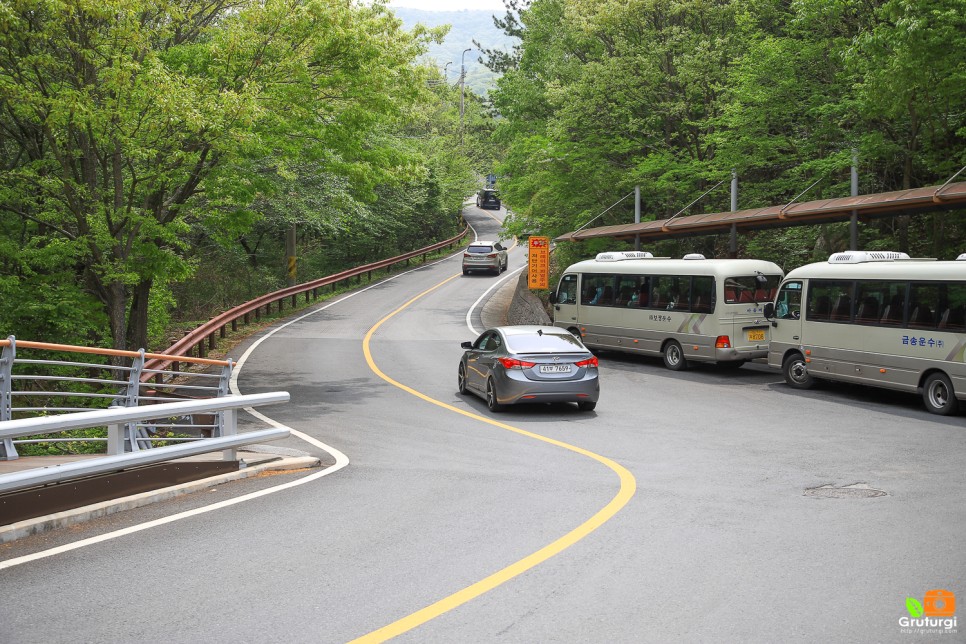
x=673 y=513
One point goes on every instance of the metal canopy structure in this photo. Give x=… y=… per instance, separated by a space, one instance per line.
x=949 y=196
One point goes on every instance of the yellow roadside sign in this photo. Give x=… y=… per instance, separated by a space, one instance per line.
x=539 y=263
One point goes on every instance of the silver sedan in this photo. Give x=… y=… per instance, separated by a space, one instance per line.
x=529 y=364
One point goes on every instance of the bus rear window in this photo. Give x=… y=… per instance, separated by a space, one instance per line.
x=748 y=288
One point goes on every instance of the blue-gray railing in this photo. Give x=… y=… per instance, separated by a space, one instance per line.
x=117 y=418
x=42 y=379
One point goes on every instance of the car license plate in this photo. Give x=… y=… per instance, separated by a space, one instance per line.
x=756 y=335
x=555 y=368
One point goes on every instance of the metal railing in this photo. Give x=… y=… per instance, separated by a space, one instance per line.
x=43 y=379
x=117 y=418
x=45 y=384
x=204 y=338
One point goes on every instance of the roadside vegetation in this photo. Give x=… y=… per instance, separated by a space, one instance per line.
x=155 y=155
x=603 y=95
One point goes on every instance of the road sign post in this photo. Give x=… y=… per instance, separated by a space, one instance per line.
x=539 y=263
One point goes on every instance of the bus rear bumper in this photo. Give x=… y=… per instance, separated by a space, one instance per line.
x=740 y=353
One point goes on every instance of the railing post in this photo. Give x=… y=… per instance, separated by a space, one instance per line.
x=8 y=451
x=131 y=397
x=223 y=390
x=228 y=418
x=115 y=440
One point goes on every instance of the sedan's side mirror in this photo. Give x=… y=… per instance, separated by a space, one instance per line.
x=466 y=345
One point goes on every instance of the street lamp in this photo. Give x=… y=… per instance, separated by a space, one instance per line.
x=445 y=76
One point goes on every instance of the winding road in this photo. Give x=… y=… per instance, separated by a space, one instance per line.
x=675 y=512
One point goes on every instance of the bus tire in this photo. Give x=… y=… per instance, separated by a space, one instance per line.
x=674 y=357
x=796 y=373
x=938 y=395
x=574 y=331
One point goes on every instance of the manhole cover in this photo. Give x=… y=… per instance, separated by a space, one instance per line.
x=854 y=491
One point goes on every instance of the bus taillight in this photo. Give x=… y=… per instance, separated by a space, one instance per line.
x=722 y=342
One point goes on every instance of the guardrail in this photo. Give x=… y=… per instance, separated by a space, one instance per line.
x=41 y=385
x=203 y=338
x=116 y=418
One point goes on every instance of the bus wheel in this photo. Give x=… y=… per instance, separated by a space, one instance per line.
x=796 y=372
x=674 y=357
x=937 y=393
x=574 y=331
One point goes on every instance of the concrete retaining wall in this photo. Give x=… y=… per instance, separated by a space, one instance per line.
x=525 y=307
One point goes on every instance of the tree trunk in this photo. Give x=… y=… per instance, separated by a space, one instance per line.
x=137 y=324
x=116 y=304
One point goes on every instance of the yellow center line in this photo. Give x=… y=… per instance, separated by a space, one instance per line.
x=628 y=485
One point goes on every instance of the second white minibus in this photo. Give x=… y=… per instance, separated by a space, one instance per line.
x=875 y=318
x=705 y=310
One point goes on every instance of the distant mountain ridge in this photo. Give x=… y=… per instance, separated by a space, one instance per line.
x=466 y=25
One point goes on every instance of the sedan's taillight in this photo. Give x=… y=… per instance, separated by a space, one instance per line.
x=513 y=363
x=491 y=255
x=589 y=362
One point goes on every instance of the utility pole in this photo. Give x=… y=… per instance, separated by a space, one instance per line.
x=854 y=222
x=462 y=90
x=733 y=245
x=637 y=216
x=290 y=255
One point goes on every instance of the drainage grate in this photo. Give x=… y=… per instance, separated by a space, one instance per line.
x=854 y=491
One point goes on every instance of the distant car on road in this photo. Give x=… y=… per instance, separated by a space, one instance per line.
x=485 y=256
x=488 y=198
x=529 y=364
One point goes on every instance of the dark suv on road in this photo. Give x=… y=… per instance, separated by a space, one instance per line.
x=488 y=198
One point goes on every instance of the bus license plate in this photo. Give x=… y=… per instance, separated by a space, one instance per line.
x=555 y=368
x=756 y=335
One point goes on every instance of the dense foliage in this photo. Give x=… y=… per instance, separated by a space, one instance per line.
x=672 y=95
x=154 y=152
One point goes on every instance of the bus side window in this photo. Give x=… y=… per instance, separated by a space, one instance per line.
x=702 y=294
x=789 y=305
x=923 y=304
x=954 y=318
x=567 y=291
x=830 y=301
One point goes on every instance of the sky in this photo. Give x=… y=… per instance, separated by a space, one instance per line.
x=449 y=5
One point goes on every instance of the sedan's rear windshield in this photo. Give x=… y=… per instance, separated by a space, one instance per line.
x=479 y=249
x=546 y=343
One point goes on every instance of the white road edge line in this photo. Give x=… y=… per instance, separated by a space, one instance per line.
x=341 y=459
x=469 y=313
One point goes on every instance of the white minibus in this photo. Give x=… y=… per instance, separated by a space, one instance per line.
x=705 y=310
x=874 y=318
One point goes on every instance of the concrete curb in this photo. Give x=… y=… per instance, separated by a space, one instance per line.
x=260 y=465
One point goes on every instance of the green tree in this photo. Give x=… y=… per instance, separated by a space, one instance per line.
x=125 y=122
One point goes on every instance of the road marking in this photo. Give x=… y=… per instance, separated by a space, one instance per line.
x=469 y=313
x=340 y=458
x=628 y=485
